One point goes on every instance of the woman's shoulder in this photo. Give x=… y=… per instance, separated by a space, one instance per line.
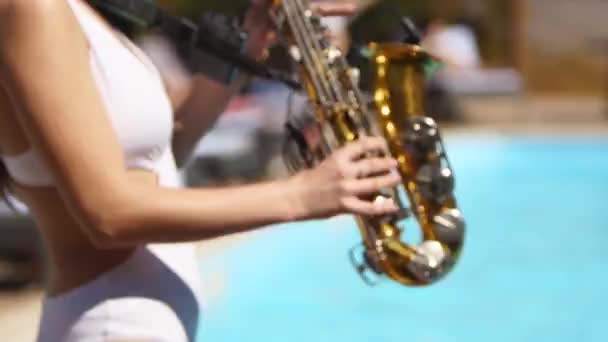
x=31 y=4
x=34 y=27
x=18 y=10
x=25 y=20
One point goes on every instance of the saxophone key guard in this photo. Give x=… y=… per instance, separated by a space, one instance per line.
x=367 y=269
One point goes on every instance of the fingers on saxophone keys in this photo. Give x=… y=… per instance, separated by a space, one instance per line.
x=365 y=186
x=378 y=207
x=364 y=145
x=374 y=166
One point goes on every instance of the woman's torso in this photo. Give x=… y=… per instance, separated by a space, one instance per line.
x=141 y=114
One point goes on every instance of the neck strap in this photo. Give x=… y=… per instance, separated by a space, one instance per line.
x=146 y=15
x=142 y=13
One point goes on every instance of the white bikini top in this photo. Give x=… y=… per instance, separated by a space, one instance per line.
x=134 y=97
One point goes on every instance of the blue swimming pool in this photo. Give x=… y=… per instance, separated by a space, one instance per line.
x=534 y=268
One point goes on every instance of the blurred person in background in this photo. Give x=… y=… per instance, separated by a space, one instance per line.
x=463 y=73
x=456 y=48
x=455 y=44
x=88 y=143
x=338 y=30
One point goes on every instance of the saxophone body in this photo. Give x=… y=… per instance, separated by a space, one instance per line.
x=340 y=113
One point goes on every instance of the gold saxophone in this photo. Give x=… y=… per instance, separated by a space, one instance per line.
x=340 y=114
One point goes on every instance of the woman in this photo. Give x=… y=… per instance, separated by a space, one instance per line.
x=87 y=142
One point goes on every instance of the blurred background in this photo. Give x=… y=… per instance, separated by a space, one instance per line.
x=522 y=100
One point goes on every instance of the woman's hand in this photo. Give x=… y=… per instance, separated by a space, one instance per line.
x=341 y=183
x=262 y=32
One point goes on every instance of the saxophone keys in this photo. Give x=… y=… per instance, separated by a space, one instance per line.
x=423 y=134
x=435 y=182
x=355 y=75
x=449 y=226
x=433 y=251
x=333 y=53
x=295 y=53
x=427 y=263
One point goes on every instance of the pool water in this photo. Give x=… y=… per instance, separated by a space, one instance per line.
x=534 y=266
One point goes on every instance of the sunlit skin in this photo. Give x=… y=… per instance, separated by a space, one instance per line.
x=95 y=215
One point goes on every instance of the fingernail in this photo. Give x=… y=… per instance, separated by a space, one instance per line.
x=393 y=208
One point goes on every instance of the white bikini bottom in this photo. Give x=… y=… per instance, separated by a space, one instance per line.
x=151 y=297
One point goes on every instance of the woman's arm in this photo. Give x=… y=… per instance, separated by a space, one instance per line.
x=198 y=101
x=44 y=63
x=206 y=99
